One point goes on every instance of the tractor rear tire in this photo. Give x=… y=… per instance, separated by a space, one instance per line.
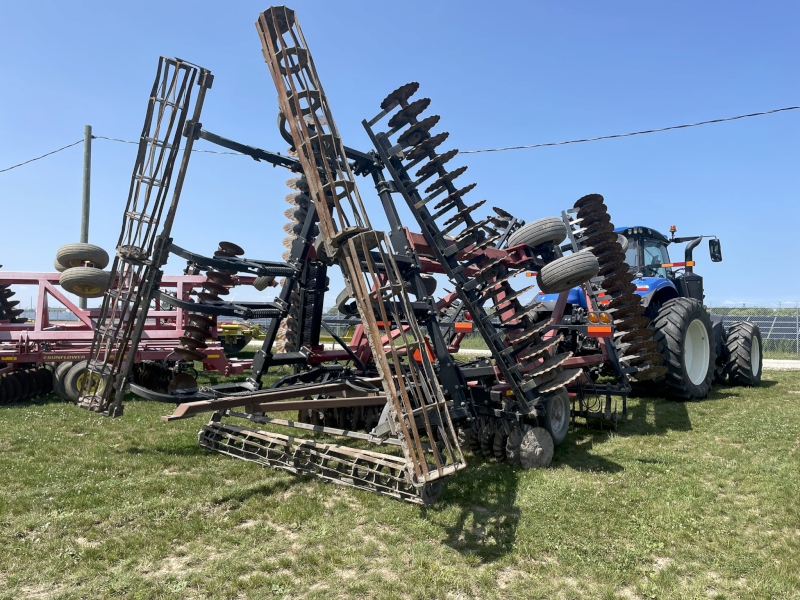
x=744 y=348
x=77 y=255
x=556 y=415
x=566 y=272
x=85 y=282
x=58 y=266
x=543 y=231
x=686 y=339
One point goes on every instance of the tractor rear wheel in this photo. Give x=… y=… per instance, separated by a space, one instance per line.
x=686 y=339
x=744 y=348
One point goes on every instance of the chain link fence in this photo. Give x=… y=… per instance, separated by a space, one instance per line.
x=780 y=327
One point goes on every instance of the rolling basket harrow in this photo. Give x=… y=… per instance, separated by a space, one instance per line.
x=396 y=385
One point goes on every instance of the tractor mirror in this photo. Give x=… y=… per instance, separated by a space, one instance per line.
x=715 y=250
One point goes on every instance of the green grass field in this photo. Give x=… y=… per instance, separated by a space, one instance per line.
x=685 y=500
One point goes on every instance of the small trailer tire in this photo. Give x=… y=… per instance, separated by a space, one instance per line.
x=77 y=255
x=568 y=271
x=85 y=282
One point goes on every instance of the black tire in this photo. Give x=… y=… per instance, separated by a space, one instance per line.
x=85 y=282
x=500 y=441
x=76 y=255
x=74 y=380
x=344 y=305
x=744 y=347
x=556 y=415
x=58 y=379
x=45 y=377
x=566 y=272
x=538 y=233
x=689 y=354
x=486 y=437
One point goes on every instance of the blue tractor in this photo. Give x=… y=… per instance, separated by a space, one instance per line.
x=697 y=349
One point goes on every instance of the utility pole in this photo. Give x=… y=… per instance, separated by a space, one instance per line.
x=87 y=177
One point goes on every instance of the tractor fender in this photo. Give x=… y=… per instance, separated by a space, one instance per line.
x=650 y=287
x=575 y=297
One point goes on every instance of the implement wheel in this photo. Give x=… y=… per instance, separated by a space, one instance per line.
x=566 y=272
x=77 y=255
x=744 y=348
x=58 y=379
x=74 y=381
x=556 y=417
x=686 y=339
x=85 y=282
x=543 y=231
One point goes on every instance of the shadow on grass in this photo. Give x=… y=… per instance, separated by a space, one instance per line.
x=172 y=450
x=486 y=517
x=37 y=401
x=269 y=488
x=576 y=451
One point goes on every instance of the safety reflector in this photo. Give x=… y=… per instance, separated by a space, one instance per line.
x=599 y=331
x=463 y=327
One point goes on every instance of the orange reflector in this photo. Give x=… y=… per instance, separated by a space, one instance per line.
x=599 y=332
x=529 y=274
x=463 y=327
x=380 y=325
x=593 y=318
x=689 y=263
x=418 y=357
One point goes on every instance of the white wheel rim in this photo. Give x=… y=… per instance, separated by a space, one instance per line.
x=755 y=355
x=557 y=415
x=696 y=352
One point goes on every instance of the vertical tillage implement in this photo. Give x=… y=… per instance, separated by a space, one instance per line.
x=417 y=409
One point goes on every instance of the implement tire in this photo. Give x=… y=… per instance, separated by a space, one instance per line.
x=746 y=358
x=543 y=231
x=85 y=282
x=556 y=415
x=77 y=255
x=58 y=379
x=686 y=339
x=568 y=271
x=73 y=382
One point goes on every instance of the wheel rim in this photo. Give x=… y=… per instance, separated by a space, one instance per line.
x=696 y=352
x=755 y=356
x=558 y=416
x=87 y=288
x=96 y=385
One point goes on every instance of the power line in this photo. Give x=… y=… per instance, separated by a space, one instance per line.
x=102 y=137
x=594 y=139
x=620 y=135
x=42 y=156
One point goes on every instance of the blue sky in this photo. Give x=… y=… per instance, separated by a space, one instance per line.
x=499 y=74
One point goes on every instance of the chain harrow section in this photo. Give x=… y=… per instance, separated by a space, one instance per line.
x=141 y=250
x=418 y=413
x=523 y=347
x=633 y=339
x=376 y=472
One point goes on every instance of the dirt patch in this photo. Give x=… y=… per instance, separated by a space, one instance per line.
x=660 y=563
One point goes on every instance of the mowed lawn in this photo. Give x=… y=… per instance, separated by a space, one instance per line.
x=685 y=500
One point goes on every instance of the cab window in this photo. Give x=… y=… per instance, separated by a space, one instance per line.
x=632 y=256
x=655 y=254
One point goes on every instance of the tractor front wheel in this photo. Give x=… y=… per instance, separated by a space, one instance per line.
x=686 y=339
